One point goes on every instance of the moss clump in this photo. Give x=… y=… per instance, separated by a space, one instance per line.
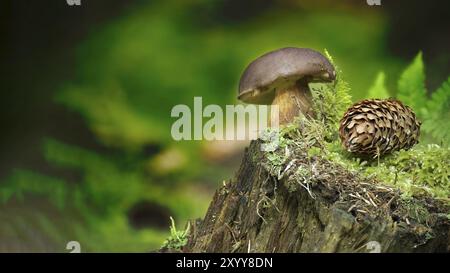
x=423 y=170
x=407 y=186
x=307 y=154
x=177 y=239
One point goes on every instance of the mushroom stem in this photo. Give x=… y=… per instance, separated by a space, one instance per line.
x=292 y=101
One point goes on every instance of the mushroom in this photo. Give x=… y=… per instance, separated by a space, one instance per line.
x=281 y=77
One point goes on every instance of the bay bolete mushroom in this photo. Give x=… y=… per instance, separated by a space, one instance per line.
x=281 y=77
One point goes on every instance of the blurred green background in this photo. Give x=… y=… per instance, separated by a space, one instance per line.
x=86 y=93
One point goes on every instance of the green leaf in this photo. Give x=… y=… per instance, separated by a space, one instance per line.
x=378 y=89
x=440 y=99
x=411 y=85
x=437 y=114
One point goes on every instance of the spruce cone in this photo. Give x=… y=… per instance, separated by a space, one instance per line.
x=375 y=127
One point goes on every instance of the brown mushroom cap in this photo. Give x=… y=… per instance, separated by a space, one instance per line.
x=281 y=68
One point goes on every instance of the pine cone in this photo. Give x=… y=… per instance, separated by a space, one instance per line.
x=375 y=127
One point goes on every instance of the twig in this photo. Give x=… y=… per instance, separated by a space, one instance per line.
x=232 y=233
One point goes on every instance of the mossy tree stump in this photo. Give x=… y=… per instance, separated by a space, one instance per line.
x=313 y=205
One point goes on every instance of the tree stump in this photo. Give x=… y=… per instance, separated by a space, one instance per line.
x=261 y=212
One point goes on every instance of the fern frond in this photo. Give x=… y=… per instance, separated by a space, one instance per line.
x=440 y=99
x=436 y=115
x=411 y=85
x=22 y=181
x=378 y=89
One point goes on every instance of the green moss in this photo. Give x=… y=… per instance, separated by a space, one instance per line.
x=422 y=170
x=177 y=238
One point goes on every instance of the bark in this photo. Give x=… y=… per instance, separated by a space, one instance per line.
x=256 y=212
